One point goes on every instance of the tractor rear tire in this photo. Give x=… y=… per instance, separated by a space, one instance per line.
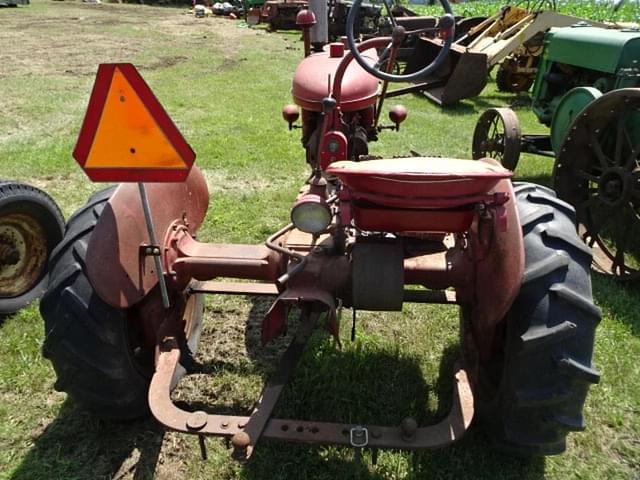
x=31 y=225
x=533 y=391
x=97 y=360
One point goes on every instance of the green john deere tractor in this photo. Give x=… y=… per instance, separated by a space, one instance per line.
x=587 y=91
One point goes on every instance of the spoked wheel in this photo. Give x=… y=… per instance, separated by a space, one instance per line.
x=31 y=225
x=598 y=171
x=497 y=135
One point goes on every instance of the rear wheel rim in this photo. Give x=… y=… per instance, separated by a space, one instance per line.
x=497 y=136
x=604 y=185
x=23 y=254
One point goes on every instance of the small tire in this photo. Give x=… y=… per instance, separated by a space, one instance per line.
x=510 y=82
x=531 y=394
x=31 y=225
x=97 y=359
x=497 y=135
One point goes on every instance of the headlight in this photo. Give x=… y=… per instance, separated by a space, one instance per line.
x=311 y=214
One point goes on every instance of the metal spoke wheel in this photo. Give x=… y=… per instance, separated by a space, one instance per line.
x=497 y=135
x=598 y=171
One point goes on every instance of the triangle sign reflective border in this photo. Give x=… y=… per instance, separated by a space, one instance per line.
x=126 y=135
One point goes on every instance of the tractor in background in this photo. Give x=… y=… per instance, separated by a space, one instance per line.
x=586 y=92
x=365 y=233
x=512 y=38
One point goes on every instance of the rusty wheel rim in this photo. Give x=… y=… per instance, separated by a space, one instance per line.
x=517 y=82
x=23 y=254
x=497 y=135
x=598 y=171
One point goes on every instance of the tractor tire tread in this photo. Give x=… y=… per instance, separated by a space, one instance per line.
x=86 y=339
x=573 y=423
x=540 y=337
x=579 y=371
x=77 y=229
x=556 y=261
x=573 y=240
x=546 y=369
x=535 y=215
x=577 y=300
x=538 y=397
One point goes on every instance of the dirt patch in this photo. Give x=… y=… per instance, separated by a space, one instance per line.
x=165 y=62
x=53 y=51
x=219 y=180
x=230 y=62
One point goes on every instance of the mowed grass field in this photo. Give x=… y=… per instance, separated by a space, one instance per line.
x=224 y=86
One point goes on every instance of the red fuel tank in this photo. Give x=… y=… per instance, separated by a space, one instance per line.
x=315 y=74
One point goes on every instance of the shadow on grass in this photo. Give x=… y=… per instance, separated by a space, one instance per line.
x=377 y=387
x=618 y=299
x=366 y=383
x=79 y=446
x=474 y=105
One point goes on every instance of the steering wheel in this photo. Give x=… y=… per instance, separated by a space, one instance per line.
x=446 y=27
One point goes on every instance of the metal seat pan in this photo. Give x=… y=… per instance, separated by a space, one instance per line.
x=414 y=178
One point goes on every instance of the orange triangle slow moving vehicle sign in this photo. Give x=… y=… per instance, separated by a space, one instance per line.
x=126 y=135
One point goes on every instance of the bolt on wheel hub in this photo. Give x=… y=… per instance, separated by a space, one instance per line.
x=23 y=254
x=614 y=187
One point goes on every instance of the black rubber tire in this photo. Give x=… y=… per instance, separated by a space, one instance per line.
x=20 y=198
x=505 y=80
x=532 y=393
x=89 y=342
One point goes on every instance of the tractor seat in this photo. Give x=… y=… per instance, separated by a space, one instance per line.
x=418 y=194
x=419 y=182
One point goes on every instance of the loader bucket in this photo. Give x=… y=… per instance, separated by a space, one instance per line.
x=462 y=75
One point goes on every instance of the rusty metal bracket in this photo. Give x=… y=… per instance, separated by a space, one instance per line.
x=148 y=219
x=245 y=441
x=246 y=430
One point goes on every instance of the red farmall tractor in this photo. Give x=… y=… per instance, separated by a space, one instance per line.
x=123 y=309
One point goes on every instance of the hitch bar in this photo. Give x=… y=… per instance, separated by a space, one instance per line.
x=247 y=430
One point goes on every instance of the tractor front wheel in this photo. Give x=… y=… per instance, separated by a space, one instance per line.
x=99 y=356
x=531 y=394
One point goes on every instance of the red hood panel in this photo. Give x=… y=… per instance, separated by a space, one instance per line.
x=311 y=82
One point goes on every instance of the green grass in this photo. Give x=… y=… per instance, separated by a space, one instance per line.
x=224 y=87
x=600 y=10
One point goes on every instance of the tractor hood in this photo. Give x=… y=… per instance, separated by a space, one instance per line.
x=315 y=74
x=599 y=49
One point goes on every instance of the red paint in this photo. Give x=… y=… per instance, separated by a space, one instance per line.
x=398 y=114
x=336 y=50
x=419 y=182
x=314 y=77
x=380 y=219
x=327 y=157
x=305 y=18
x=122 y=276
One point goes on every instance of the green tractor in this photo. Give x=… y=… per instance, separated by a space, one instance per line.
x=587 y=91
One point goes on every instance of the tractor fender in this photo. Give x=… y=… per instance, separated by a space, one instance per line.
x=120 y=272
x=498 y=275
